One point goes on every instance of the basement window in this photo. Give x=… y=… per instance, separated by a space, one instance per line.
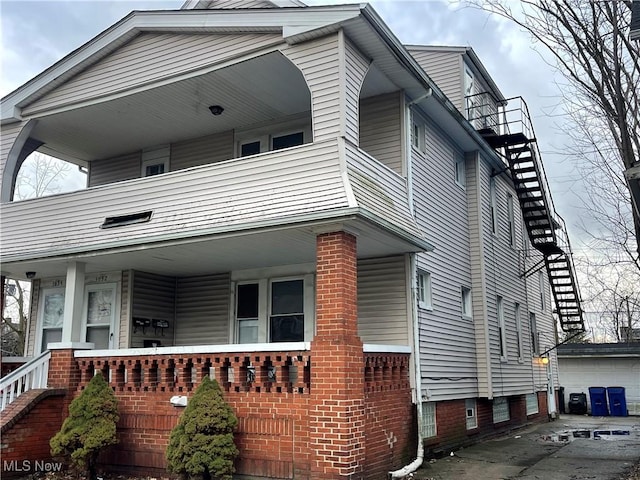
x=122 y=220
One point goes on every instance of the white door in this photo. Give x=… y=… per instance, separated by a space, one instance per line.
x=100 y=315
x=51 y=317
x=551 y=394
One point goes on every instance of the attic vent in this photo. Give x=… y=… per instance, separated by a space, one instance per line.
x=122 y=220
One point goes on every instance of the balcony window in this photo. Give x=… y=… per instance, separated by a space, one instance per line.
x=269 y=137
x=155 y=160
x=286 y=141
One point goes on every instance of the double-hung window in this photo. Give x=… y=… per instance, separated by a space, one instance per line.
x=494 y=205
x=502 y=337
x=465 y=298
x=511 y=221
x=423 y=288
x=274 y=310
x=286 y=319
x=518 y=331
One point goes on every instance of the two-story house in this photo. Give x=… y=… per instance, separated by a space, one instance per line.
x=352 y=236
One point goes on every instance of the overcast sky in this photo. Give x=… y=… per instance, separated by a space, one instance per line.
x=36 y=34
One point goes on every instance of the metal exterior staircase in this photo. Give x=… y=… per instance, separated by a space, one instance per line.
x=513 y=137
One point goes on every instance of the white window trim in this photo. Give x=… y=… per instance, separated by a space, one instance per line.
x=541 y=285
x=37 y=348
x=502 y=334
x=424 y=291
x=460 y=173
x=268 y=276
x=471 y=405
x=264 y=133
x=113 y=343
x=155 y=156
x=418 y=142
x=533 y=333
x=511 y=221
x=466 y=303
x=494 y=205
x=518 y=319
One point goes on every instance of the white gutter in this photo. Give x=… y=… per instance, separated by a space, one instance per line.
x=413 y=466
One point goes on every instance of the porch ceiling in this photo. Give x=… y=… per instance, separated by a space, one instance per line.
x=248 y=250
x=254 y=91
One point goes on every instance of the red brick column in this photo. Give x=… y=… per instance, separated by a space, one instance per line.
x=336 y=416
x=64 y=373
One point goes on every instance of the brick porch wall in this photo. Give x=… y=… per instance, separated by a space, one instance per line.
x=390 y=418
x=27 y=426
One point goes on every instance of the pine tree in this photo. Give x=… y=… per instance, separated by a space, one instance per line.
x=90 y=426
x=202 y=445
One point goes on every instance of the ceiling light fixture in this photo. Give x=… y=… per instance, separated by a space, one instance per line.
x=216 y=109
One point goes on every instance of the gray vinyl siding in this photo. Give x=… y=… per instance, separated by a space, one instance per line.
x=382 y=301
x=189 y=153
x=154 y=298
x=380 y=129
x=477 y=197
x=33 y=319
x=230 y=4
x=319 y=62
x=379 y=190
x=8 y=135
x=446 y=70
x=504 y=265
x=447 y=343
x=201 y=151
x=148 y=58
x=110 y=170
x=202 y=310
x=272 y=186
x=356 y=67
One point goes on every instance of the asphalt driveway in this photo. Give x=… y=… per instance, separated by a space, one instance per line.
x=550 y=451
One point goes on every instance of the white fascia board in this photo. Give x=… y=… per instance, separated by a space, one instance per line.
x=184 y=21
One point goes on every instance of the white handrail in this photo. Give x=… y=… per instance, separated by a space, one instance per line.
x=29 y=376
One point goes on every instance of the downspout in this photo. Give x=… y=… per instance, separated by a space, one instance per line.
x=413 y=466
x=408 y=127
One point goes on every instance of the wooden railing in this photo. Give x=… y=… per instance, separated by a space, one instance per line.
x=30 y=376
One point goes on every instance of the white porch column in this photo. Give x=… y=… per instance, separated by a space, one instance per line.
x=73 y=303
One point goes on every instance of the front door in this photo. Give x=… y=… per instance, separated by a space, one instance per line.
x=100 y=315
x=551 y=394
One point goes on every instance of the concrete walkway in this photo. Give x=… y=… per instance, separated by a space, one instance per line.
x=550 y=451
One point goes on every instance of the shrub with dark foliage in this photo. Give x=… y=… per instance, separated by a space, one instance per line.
x=202 y=445
x=90 y=426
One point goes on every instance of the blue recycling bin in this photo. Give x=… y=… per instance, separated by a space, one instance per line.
x=617 y=401
x=598 y=396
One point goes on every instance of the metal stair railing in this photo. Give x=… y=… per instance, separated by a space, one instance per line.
x=514 y=127
x=32 y=375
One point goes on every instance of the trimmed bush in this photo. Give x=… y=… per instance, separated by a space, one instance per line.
x=90 y=426
x=201 y=444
